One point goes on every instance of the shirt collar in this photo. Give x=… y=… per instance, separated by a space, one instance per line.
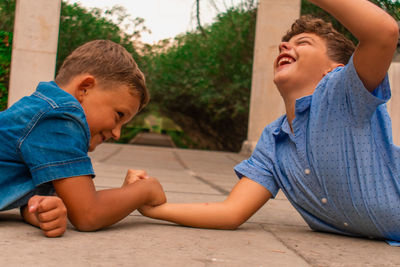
x=282 y=126
x=302 y=104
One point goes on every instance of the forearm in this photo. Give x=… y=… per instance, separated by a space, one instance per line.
x=112 y=205
x=244 y=200
x=363 y=19
x=90 y=210
x=201 y=215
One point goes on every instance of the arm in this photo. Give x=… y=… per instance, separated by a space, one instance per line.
x=90 y=210
x=243 y=201
x=376 y=31
x=48 y=213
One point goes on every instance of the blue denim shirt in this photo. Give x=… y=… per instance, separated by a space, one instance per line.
x=43 y=137
x=340 y=168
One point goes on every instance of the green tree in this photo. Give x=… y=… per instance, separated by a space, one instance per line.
x=79 y=25
x=7 y=9
x=202 y=80
x=5 y=60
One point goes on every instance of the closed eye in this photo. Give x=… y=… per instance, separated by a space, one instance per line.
x=120 y=115
x=303 y=42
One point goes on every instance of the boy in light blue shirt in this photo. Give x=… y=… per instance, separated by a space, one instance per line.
x=332 y=153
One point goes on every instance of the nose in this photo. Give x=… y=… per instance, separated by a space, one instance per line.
x=116 y=132
x=284 y=46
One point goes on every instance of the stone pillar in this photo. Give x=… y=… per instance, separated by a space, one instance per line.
x=274 y=18
x=34 y=46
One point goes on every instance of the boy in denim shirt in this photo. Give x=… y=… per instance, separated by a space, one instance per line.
x=45 y=139
x=332 y=153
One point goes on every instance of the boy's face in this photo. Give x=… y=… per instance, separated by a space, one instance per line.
x=107 y=110
x=302 y=62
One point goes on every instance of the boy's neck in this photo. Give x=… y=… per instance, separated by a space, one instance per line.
x=290 y=97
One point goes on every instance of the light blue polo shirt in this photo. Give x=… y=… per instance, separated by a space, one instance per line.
x=340 y=168
x=43 y=137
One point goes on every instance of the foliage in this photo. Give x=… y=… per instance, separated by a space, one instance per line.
x=6 y=25
x=5 y=60
x=202 y=81
x=79 y=25
x=7 y=8
x=392 y=7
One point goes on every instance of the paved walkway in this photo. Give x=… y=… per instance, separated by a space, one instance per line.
x=153 y=139
x=275 y=236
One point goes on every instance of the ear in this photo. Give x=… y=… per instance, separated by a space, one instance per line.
x=332 y=67
x=84 y=86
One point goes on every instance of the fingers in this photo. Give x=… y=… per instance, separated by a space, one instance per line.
x=55 y=232
x=46 y=203
x=142 y=174
x=34 y=202
x=54 y=228
x=51 y=214
x=133 y=176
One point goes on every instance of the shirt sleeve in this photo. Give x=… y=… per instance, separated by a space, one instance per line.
x=346 y=93
x=56 y=147
x=259 y=167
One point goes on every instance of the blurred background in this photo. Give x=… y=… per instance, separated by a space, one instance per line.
x=197 y=56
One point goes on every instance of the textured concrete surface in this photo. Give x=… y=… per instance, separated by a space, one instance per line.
x=275 y=236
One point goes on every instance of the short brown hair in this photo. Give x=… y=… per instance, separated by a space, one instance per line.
x=339 y=48
x=109 y=63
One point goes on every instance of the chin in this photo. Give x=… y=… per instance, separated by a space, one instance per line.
x=278 y=80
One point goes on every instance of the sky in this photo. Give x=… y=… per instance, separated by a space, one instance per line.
x=164 y=18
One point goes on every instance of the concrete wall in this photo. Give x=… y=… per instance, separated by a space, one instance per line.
x=273 y=20
x=34 y=49
x=394 y=103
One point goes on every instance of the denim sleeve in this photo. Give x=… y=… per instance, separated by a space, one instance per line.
x=259 y=167
x=56 y=147
x=347 y=94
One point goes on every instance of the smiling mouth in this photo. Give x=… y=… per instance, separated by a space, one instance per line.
x=285 y=60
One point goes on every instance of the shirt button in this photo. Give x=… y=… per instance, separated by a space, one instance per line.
x=345 y=224
x=307 y=171
x=324 y=200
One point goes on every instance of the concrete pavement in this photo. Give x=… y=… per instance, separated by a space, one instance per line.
x=275 y=236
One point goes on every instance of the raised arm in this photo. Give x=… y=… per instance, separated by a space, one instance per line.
x=89 y=210
x=244 y=200
x=376 y=31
